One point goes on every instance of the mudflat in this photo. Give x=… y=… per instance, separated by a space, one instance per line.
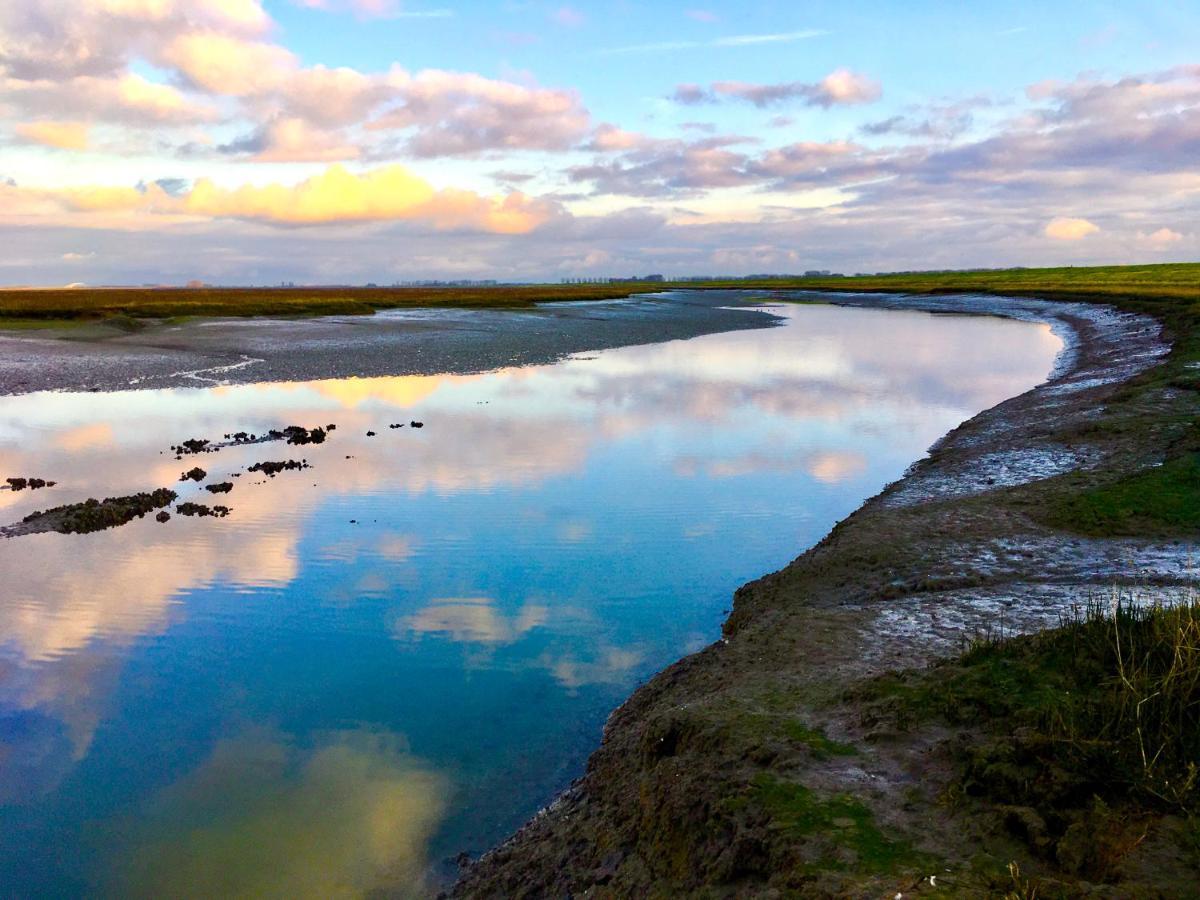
x=154 y=354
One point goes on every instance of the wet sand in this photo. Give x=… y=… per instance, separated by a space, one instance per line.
x=395 y=342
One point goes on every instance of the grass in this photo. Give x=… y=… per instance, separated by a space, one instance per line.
x=841 y=821
x=1155 y=283
x=27 y=307
x=1170 y=281
x=1165 y=498
x=1082 y=733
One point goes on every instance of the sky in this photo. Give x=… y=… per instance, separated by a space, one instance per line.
x=347 y=141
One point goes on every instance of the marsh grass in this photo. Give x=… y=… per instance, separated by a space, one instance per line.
x=1162 y=499
x=1076 y=737
x=1156 y=284
x=1113 y=694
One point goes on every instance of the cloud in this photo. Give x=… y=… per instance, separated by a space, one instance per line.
x=733 y=40
x=222 y=64
x=1164 y=237
x=389 y=193
x=568 y=17
x=375 y=9
x=461 y=114
x=64 y=62
x=840 y=87
x=62 y=135
x=293 y=140
x=59 y=39
x=609 y=137
x=128 y=99
x=1064 y=228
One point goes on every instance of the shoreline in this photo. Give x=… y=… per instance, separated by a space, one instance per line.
x=958 y=545
x=389 y=343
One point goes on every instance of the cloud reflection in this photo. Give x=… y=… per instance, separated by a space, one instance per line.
x=266 y=817
x=472 y=619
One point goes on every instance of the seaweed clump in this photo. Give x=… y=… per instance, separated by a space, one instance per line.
x=20 y=484
x=271 y=469
x=199 y=509
x=193 y=445
x=97 y=515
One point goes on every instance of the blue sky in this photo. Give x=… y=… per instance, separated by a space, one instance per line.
x=309 y=140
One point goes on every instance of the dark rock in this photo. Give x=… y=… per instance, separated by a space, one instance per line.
x=296 y=434
x=273 y=468
x=19 y=484
x=199 y=509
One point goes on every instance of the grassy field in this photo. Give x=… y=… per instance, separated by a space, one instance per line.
x=1171 y=281
x=28 y=307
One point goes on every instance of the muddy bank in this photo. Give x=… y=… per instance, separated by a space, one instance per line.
x=396 y=342
x=752 y=768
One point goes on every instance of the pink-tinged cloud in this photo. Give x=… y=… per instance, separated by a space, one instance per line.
x=462 y=114
x=59 y=39
x=221 y=64
x=841 y=87
x=294 y=140
x=1064 y=228
x=1164 y=237
x=607 y=138
x=60 y=135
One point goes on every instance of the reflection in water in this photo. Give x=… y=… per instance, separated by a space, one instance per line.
x=262 y=817
x=490 y=586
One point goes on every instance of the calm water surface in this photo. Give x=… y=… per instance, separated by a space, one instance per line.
x=404 y=651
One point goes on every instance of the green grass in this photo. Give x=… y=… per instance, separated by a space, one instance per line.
x=1164 y=499
x=840 y=820
x=1076 y=735
x=1165 y=281
x=55 y=305
x=1074 y=738
x=816 y=741
x=1155 y=283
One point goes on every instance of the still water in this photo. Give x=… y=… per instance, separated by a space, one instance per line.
x=403 y=651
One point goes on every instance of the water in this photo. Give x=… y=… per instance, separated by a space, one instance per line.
x=404 y=651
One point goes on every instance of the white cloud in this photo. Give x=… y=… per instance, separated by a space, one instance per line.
x=61 y=135
x=1065 y=228
x=734 y=40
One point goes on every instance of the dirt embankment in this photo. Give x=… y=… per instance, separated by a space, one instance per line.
x=753 y=768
